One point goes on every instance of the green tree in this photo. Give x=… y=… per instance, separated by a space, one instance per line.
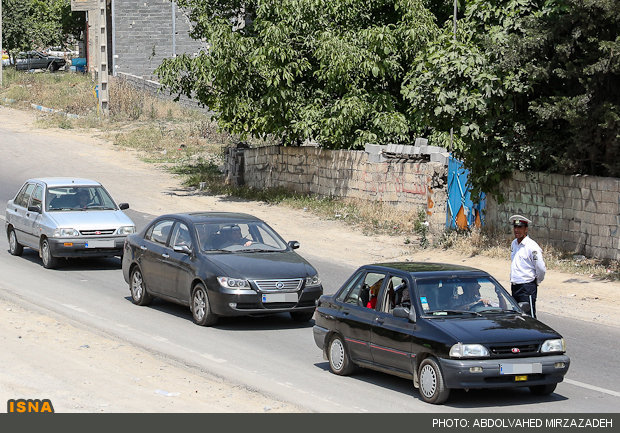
x=36 y=24
x=528 y=85
x=304 y=69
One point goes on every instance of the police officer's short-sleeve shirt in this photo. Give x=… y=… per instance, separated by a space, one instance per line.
x=527 y=262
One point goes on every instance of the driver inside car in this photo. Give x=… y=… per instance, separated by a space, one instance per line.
x=471 y=296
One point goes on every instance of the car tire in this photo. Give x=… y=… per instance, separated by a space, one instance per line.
x=301 y=316
x=338 y=356
x=543 y=389
x=48 y=259
x=15 y=248
x=137 y=288
x=201 y=307
x=432 y=387
x=51 y=67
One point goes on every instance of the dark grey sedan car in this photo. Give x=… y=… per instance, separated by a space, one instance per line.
x=219 y=264
x=38 y=60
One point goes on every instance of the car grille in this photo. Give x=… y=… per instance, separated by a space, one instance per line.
x=284 y=285
x=97 y=232
x=508 y=350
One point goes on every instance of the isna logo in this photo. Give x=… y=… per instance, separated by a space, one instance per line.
x=29 y=406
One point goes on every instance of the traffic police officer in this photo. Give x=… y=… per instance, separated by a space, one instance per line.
x=527 y=268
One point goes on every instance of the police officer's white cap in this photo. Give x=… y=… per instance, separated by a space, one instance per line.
x=519 y=221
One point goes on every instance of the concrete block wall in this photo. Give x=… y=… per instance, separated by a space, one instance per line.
x=143 y=35
x=156 y=89
x=343 y=173
x=573 y=213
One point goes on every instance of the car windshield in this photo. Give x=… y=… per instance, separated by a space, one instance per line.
x=78 y=198
x=253 y=236
x=463 y=295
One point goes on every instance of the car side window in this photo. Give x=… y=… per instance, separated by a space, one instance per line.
x=350 y=287
x=393 y=294
x=23 y=197
x=181 y=236
x=37 y=197
x=363 y=289
x=159 y=232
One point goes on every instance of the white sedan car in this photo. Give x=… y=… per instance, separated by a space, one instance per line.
x=66 y=217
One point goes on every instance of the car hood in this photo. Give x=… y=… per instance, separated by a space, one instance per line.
x=262 y=265
x=93 y=219
x=496 y=328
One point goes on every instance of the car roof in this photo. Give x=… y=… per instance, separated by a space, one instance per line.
x=65 y=181
x=213 y=217
x=426 y=269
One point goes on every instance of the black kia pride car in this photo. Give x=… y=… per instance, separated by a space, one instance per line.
x=444 y=326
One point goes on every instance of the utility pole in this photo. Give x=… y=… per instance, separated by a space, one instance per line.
x=102 y=55
x=1 y=59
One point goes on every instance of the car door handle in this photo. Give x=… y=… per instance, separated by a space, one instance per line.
x=379 y=320
x=165 y=256
x=143 y=248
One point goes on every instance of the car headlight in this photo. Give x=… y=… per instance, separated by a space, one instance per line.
x=234 y=283
x=556 y=345
x=460 y=350
x=65 y=233
x=126 y=230
x=313 y=281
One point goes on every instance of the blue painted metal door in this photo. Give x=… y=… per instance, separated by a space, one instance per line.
x=462 y=213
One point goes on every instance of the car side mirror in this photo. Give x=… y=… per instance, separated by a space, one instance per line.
x=182 y=249
x=405 y=313
x=293 y=244
x=525 y=306
x=123 y=206
x=36 y=209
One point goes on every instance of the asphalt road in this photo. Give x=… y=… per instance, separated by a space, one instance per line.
x=274 y=354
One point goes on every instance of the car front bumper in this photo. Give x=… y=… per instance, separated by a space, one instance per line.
x=91 y=247
x=457 y=373
x=249 y=302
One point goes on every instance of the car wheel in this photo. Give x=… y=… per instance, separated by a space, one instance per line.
x=301 y=316
x=432 y=387
x=139 y=295
x=15 y=248
x=339 y=361
x=49 y=261
x=543 y=389
x=201 y=307
x=51 y=67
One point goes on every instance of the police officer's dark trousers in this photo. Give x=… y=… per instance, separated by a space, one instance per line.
x=522 y=292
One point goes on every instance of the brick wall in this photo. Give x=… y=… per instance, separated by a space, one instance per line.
x=343 y=173
x=573 y=213
x=143 y=35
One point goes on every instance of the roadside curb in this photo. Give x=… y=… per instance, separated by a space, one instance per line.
x=51 y=110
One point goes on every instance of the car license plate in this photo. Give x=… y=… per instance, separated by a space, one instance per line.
x=280 y=297
x=100 y=243
x=535 y=367
x=520 y=378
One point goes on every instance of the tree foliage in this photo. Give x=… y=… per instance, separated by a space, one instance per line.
x=305 y=69
x=36 y=24
x=527 y=85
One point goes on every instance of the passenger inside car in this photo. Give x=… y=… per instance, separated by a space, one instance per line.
x=373 y=292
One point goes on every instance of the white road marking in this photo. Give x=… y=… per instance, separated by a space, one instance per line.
x=592 y=387
x=213 y=358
